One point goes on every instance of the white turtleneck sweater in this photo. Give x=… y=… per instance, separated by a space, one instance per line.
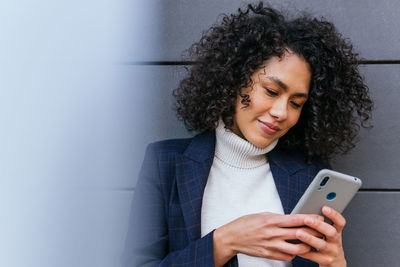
x=240 y=183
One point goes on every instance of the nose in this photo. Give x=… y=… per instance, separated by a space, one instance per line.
x=279 y=110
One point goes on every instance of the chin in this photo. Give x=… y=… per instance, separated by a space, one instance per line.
x=260 y=142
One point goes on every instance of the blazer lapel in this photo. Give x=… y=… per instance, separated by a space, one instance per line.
x=192 y=170
x=291 y=184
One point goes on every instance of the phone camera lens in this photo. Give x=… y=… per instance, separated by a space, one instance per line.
x=331 y=196
x=324 y=181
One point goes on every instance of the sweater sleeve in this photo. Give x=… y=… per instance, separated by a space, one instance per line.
x=148 y=238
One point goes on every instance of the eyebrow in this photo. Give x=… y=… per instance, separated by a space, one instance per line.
x=284 y=86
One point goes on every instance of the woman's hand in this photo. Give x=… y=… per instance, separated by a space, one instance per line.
x=330 y=251
x=262 y=235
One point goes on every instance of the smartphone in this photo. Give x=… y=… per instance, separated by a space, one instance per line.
x=330 y=188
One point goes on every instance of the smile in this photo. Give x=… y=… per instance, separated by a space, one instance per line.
x=268 y=128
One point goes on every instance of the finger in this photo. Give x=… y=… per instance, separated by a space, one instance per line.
x=292 y=238
x=316 y=257
x=312 y=232
x=292 y=249
x=324 y=228
x=278 y=255
x=280 y=233
x=338 y=220
x=311 y=240
x=288 y=233
x=293 y=220
x=295 y=240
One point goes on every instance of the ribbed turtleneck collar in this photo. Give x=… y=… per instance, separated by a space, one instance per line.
x=237 y=152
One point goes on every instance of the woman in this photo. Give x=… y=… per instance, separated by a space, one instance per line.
x=273 y=99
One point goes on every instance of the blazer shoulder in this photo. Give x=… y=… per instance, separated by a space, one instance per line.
x=158 y=167
x=170 y=146
x=198 y=147
x=295 y=160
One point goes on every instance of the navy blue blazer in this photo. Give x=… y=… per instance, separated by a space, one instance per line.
x=164 y=227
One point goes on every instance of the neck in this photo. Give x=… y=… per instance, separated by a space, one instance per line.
x=238 y=152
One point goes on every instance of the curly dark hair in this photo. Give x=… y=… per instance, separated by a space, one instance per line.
x=228 y=54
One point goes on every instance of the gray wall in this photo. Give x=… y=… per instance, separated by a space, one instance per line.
x=371 y=237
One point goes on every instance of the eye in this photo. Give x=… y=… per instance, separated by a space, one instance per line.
x=296 y=105
x=271 y=92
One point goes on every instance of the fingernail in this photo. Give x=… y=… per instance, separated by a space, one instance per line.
x=327 y=210
x=309 y=221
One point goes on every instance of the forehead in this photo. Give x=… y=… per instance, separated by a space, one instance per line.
x=290 y=69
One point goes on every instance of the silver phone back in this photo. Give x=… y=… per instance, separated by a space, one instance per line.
x=316 y=196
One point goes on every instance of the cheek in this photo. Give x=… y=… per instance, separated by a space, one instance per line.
x=258 y=105
x=243 y=111
x=292 y=121
x=294 y=118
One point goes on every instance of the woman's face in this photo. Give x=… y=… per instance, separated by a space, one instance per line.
x=277 y=95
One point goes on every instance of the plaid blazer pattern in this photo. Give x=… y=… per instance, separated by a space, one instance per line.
x=164 y=227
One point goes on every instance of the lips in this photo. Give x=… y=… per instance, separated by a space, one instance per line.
x=270 y=125
x=268 y=128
